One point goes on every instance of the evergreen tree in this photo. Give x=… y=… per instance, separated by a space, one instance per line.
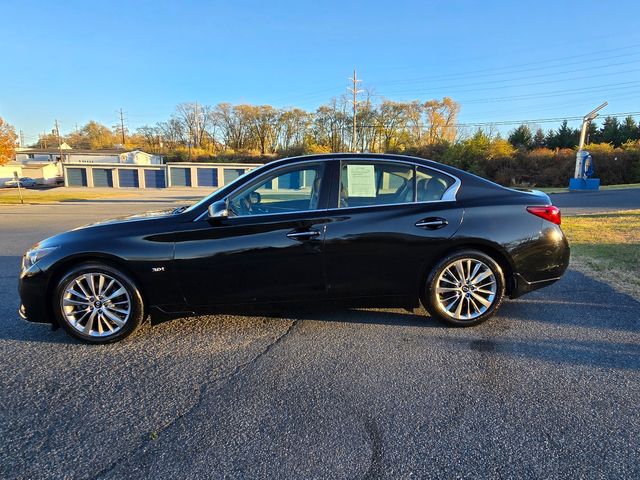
x=521 y=137
x=539 y=140
x=610 y=131
x=629 y=130
x=551 y=140
x=565 y=137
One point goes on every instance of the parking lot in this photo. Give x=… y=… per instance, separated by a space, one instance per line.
x=549 y=388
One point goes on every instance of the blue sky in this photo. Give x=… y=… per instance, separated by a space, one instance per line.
x=77 y=61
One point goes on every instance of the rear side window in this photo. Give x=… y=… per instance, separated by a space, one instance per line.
x=365 y=183
x=431 y=185
x=375 y=183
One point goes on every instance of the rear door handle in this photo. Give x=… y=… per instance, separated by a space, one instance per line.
x=432 y=223
x=306 y=235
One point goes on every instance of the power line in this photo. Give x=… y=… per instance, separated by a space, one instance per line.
x=514 y=122
x=500 y=70
x=495 y=86
x=596 y=88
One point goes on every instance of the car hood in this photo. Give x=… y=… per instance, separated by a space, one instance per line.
x=97 y=228
x=152 y=215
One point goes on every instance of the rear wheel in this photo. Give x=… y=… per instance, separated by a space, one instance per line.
x=465 y=288
x=98 y=303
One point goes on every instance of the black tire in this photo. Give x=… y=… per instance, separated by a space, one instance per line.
x=433 y=301
x=136 y=308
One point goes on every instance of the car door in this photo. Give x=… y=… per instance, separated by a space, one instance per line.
x=268 y=249
x=389 y=220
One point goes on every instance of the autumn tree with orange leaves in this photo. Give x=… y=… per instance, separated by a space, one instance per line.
x=8 y=140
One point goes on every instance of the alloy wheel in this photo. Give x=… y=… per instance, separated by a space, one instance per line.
x=465 y=289
x=96 y=304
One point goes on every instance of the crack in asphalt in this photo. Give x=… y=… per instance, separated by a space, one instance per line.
x=203 y=388
x=375 y=465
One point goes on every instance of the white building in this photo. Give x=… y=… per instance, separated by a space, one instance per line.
x=69 y=155
x=45 y=173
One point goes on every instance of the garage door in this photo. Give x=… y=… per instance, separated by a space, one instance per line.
x=230 y=174
x=128 y=177
x=102 y=177
x=77 y=177
x=207 y=177
x=154 y=179
x=180 y=177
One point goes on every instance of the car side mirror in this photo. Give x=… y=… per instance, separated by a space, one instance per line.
x=218 y=210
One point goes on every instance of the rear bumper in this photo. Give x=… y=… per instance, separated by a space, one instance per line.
x=521 y=286
x=543 y=262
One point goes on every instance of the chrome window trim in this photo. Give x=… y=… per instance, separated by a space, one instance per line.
x=450 y=195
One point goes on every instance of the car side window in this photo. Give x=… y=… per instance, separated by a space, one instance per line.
x=294 y=189
x=431 y=185
x=365 y=183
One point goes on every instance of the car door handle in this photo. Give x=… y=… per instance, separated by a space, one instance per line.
x=306 y=235
x=432 y=223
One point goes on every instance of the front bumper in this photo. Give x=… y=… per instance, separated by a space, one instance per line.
x=34 y=305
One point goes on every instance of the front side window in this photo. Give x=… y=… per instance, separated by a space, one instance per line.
x=295 y=189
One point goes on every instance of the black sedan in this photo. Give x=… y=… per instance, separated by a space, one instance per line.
x=358 y=229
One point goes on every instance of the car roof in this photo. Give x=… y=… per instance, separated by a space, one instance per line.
x=465 y=177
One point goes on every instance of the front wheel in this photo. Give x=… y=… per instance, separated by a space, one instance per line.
x=97 y=303
x=465 y=288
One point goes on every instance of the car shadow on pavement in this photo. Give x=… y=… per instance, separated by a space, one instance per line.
x=591 y=353
x=326 y=313
x=579 y=301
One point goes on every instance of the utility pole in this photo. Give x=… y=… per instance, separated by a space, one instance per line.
x=354 y=90
x=21 y=139
x=59 y=142
x=196 y=137
x=122 y=125
x=43 y=140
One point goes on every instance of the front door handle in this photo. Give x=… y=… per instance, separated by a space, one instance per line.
x=306 y=235
x=432 y=223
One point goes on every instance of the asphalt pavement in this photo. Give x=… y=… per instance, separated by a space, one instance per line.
x=548 y=389
x=575 y=203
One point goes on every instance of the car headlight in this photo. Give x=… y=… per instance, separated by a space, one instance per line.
x=33 y=256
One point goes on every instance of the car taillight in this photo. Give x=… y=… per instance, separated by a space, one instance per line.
x=549 y=212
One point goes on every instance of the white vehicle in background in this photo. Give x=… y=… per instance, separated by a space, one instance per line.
x=22 y=182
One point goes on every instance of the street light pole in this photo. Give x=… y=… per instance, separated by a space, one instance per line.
x=583 y=133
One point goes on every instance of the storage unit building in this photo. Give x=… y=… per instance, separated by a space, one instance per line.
x=207 y=177
x=76 y=177
x=180 y=177
x=154 y=178
x=128 y=177
x=102 y=177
